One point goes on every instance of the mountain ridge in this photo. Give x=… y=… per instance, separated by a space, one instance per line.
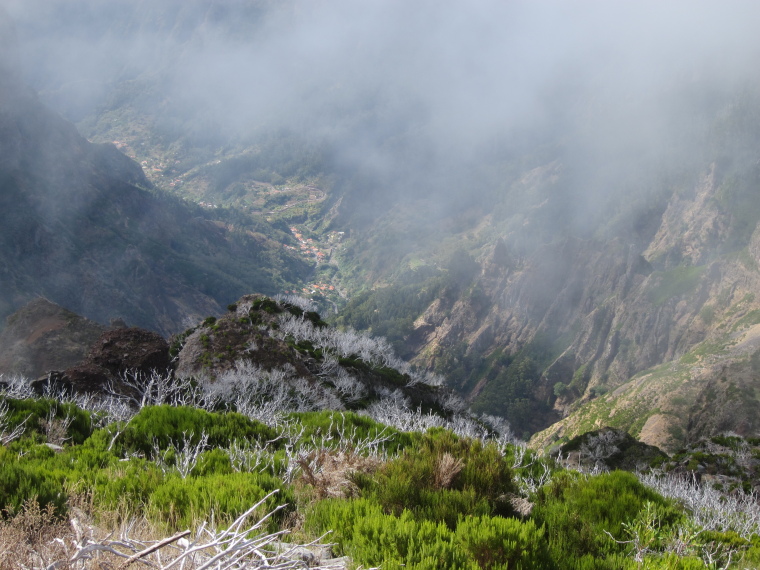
x=82 y=226
x=542 y=270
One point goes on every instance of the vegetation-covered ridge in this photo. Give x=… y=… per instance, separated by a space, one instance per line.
x=274 y=439
x=280 y=352
x=89 y=481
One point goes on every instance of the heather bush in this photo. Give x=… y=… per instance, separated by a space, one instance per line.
x=182 y=503
x=578 y=512
x=410 y=500
x=139 y=486
x=372 y=538
x=124 y=487
x=22 y=480
x=162 y=425
x=51 y=421
x=496 y=542
x=443 y=477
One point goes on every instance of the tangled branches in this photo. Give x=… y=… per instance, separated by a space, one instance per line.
x=241 y=545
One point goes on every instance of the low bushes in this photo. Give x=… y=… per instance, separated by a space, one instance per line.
x=22 y=480
x=183 y=503
x=56 y=422
x=162 y=425
x=579 y=511
x=443 y=477
x=410 y=500
x=374 y=538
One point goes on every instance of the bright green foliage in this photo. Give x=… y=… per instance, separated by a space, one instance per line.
x=373 y=538
x=328 y=426
x=578 y=510
x=140 y=485
x=214 y=461
x=442 y=503
x=183 y=503
x=495 y=542
x=752 y=555
x=444 y=477
x=40 y=411
x=21 y=480
x=127 y=486
x=137 y=485
x=165 y=424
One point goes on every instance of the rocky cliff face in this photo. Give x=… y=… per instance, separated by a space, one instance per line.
x=646 y=332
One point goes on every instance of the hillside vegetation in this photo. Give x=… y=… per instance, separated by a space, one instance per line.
x=389 y=499
x=570 y=251
x=276 y=440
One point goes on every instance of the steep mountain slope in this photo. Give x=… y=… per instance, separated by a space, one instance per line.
x=593 y=312
x=693 y=325
x=80 y=224
x=596 y=260
x=536 y=314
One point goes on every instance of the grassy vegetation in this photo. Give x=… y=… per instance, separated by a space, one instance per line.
x=415 y=500
x=674 y=283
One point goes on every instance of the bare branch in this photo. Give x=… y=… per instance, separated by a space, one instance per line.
x=8 y=436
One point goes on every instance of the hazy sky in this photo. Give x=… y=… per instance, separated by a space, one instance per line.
x=611 y=80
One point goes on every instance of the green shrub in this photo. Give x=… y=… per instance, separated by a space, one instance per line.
x=373 y=538
x=39 y=412
x=21 y=481
x=165 y=424
x=125 y=487
x=577 y=510
x=267 y=305
x=496 y=542
x=213 y=462
x=183 y=503
x=442 y=478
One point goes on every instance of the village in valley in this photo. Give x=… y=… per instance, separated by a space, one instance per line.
x=320 y=251
x=289 y=202
x=312 y=248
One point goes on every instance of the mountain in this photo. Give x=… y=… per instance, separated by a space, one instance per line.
x=279 y=354
x=81 y=225
x=572 y=249
x=269 y=413
x=640 y=315
x=648 y=324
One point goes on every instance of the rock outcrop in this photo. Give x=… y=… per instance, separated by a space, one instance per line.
x=130 y=353
x=42 y=336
